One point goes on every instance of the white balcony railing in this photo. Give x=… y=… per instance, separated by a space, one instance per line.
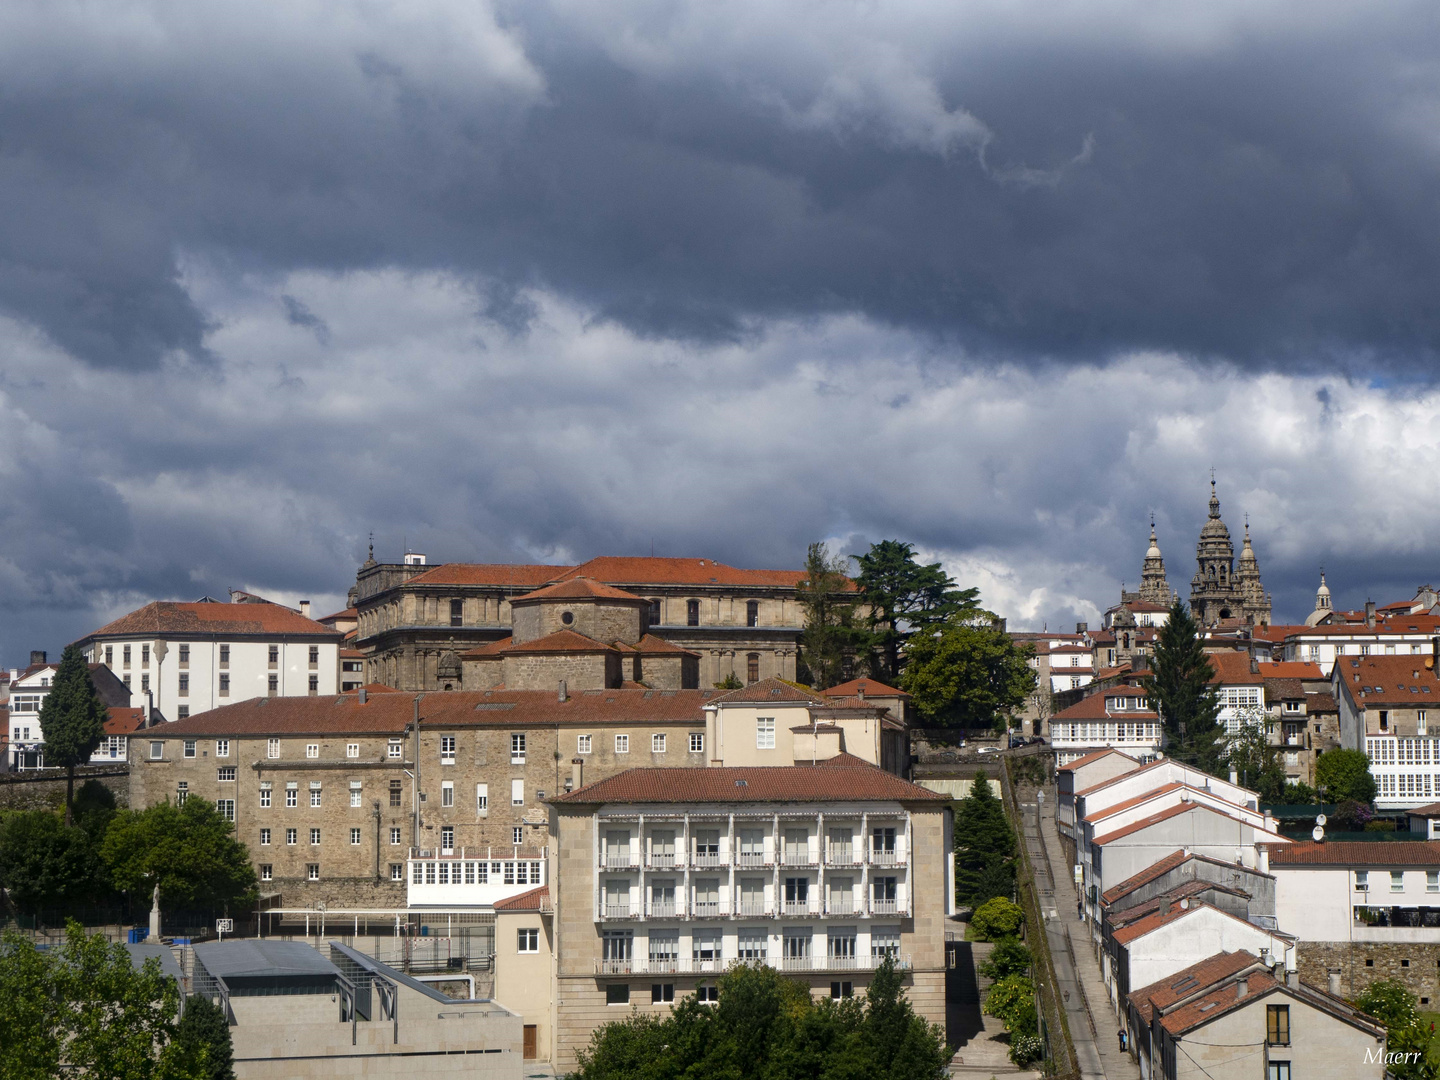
x=663 y=861
x=619 y=860
x=664 y=909
x=705 y=909
x=752 y=858
x=840 y=907
x=797 y=907
x=708 y=860
x=885 y=858
x=842 y=857
x=757 y=909
x=620 y=911
x=799 y=858
x=685 y=965
x=885 y=907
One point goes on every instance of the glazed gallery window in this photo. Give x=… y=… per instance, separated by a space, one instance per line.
x=765 y=733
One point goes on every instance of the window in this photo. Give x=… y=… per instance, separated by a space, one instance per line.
x=662 y=993
x=617 y=994
x=189 y=747
x=314 y=837
x=291 y=794
x=397 y=872
x=394 y=792
x=692 y=612
x=157 y=751
x=274 y=654
x=224 y=684
x=291 y=837
x=517 y=835
x=184 y=684
x=352 y=749
x=884 y=941
x=1432 y=880
x=226 y=808
x=182 y=712
x=842 y=989
x=657 y=744
x=752 y=945
x=482 y=799
x=110 y=655
x=314 y=792
x=752 y=667
x=655 y=612
x=225 y=774
x=752 y=613
x=314 y=655
x=222 y=747
x=697 y=742
x=182 y=792
x=357 y=792
x=707 y=995
x=517 y=792
x=312 y=750
x=528 y=939
x=272 y=748
x=144 y=655
x=447 y=793
x=582 y=744
x=274 y=685
x=1277 y=1025
x=1277 y=1070
x=517 y=748
x=312 y=871
x=622 y=744
x=265 y=794
x=267 y=872
x=447 y=749
x=264 y=837
x=1397 y=880
x=394 y=749
x=457 y=612
x=355 y=837
x=224 y=655
x=394 y=836
x=314 y=685
x=126 y=655
x=125 y=679
x=765 y=733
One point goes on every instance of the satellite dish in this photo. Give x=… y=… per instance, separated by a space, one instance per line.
x=1318 y=833
x=1319 y=819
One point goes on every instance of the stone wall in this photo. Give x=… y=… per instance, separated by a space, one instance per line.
x=1416 y=966
x=46 y=788
x=589 y=671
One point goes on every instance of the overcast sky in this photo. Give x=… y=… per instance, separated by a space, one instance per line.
x=548 y=280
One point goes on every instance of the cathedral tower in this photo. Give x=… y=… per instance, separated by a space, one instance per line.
x=1153 y=586
x=1221 y=591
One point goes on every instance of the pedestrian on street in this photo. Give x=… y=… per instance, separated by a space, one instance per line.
x=1122 y=1040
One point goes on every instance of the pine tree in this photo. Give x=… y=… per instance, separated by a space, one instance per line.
x=830 y=634
x=904 y=597
x=984 y=847
x=204 y=1027
x=1179 y=689
x=72 y=720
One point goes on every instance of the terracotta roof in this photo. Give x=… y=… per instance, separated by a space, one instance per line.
x=1389 y=680
x=124 y=720
x=578 y=588
x=348 y=613
x=1093 y=707
x=1357 y=853
x=391 y=712
x=351 y=654
x=841 y=778
x=769 y=692
x=1111 y=672
x=834 y=704
x=376 y=688
x=868 y=687
x=1088 y=758
x=1218 y=1002
x=1233 y=669
x=1429 y=810
x=502 y=575
x=1291 y=669
x=561 y=641
x=1180 y=984
x=650 y=645
x=642 y=570
x=1155 y=920
x=1143 y=797
x=164 y=618
x=534 y=900
x=1277 y=631
x=1125 y=916
x=1280 y=689
x=1320 y=702
x=490 y=648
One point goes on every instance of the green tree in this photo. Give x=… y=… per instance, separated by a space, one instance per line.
x=1179 y=689
x=830 y=634
x=45 y=864
x=1009 y=957
x=1299 y=793
x=1252 y=757
x=72 y=720
x=190 y=851
x=87 y=1006
x=730 y=682
x=1012 y=1001
x=966 y=673
x=997 y=918
x=1395 y=1007
x=984 y=847
x=1344 y=776
x=904 y=596
x=205 y=1034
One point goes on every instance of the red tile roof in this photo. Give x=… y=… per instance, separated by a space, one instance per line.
x=1143 y=797
x=769 y=692
x=842 y=778
x=578 y=588
x=534 y=900
x=351 y=654
x=1148 y=924
x=490 y=648
x=650 y=645
x=390 y=712
x=868 y=687
x=1175 y=987
x=123 y=720
x=1389 y=680
x=1165 y=815
x=1357 y=853
x=1094 y=707
x=376 y=688
x=1291 y=669
x=1088 y=758
x=1233 y=669
x=1125 y=916
x=168 y=619
x=1429 y=810
x=348 y=613
x=502 y=575
x=642 y=570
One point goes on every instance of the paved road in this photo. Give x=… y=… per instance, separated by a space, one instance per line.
x=1087 y=1005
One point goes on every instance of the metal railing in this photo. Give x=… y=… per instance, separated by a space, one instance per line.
x=703 y=909
x=752 y=858
x=709 y=860
x=689 y=965
x=620 y=861
x=620 y=911
x=664 y=861
x=885 y=858
x=664 y=910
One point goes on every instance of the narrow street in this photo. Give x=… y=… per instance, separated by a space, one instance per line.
x=1093 y=1027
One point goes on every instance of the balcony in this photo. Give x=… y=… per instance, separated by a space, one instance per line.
x=755 y=909
x=885 y=907
x=799 y=858
x=619 y=860
x=620 y=911
x=841 y=907
x=705 y=909
x=664 y=910
x=885 y=858
x=664 y=861
x=797 y=907
x=842 y=857
x=691 y=966
x=752 y=858
x=708 y=860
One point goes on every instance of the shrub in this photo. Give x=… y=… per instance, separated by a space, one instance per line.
x=995 y=919
x=1009 y=957
x=1012 y=1002
x=1026 y=1049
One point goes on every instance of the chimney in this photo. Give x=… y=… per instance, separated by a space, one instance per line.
x=1435 y=652
x=577 y=773
x=1292 y=979
x=1334 y=974
x=1370 y=614
x=1269 y=821
x=1081 y=628
x=860 y=690
x=1234 y=775
x=1265 y=957
x=305 y=608
x=1264 y=859
x=1240 y=987
x=1164 y=907
x=37 y=657
x=563 y=697
x=362 y=695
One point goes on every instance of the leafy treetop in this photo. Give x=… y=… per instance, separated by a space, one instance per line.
x=903 y=596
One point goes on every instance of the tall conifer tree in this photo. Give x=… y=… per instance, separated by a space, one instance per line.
x=1179 y=689
x=72 y=720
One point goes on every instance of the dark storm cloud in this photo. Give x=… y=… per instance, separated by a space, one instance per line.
x=1256 y=187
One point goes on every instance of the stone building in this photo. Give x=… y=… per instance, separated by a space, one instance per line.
x=1221 y=591
x=415 y=621
x=665 y=878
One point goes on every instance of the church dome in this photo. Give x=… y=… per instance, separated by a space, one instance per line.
x=1324 y=589
x=1154 y=550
